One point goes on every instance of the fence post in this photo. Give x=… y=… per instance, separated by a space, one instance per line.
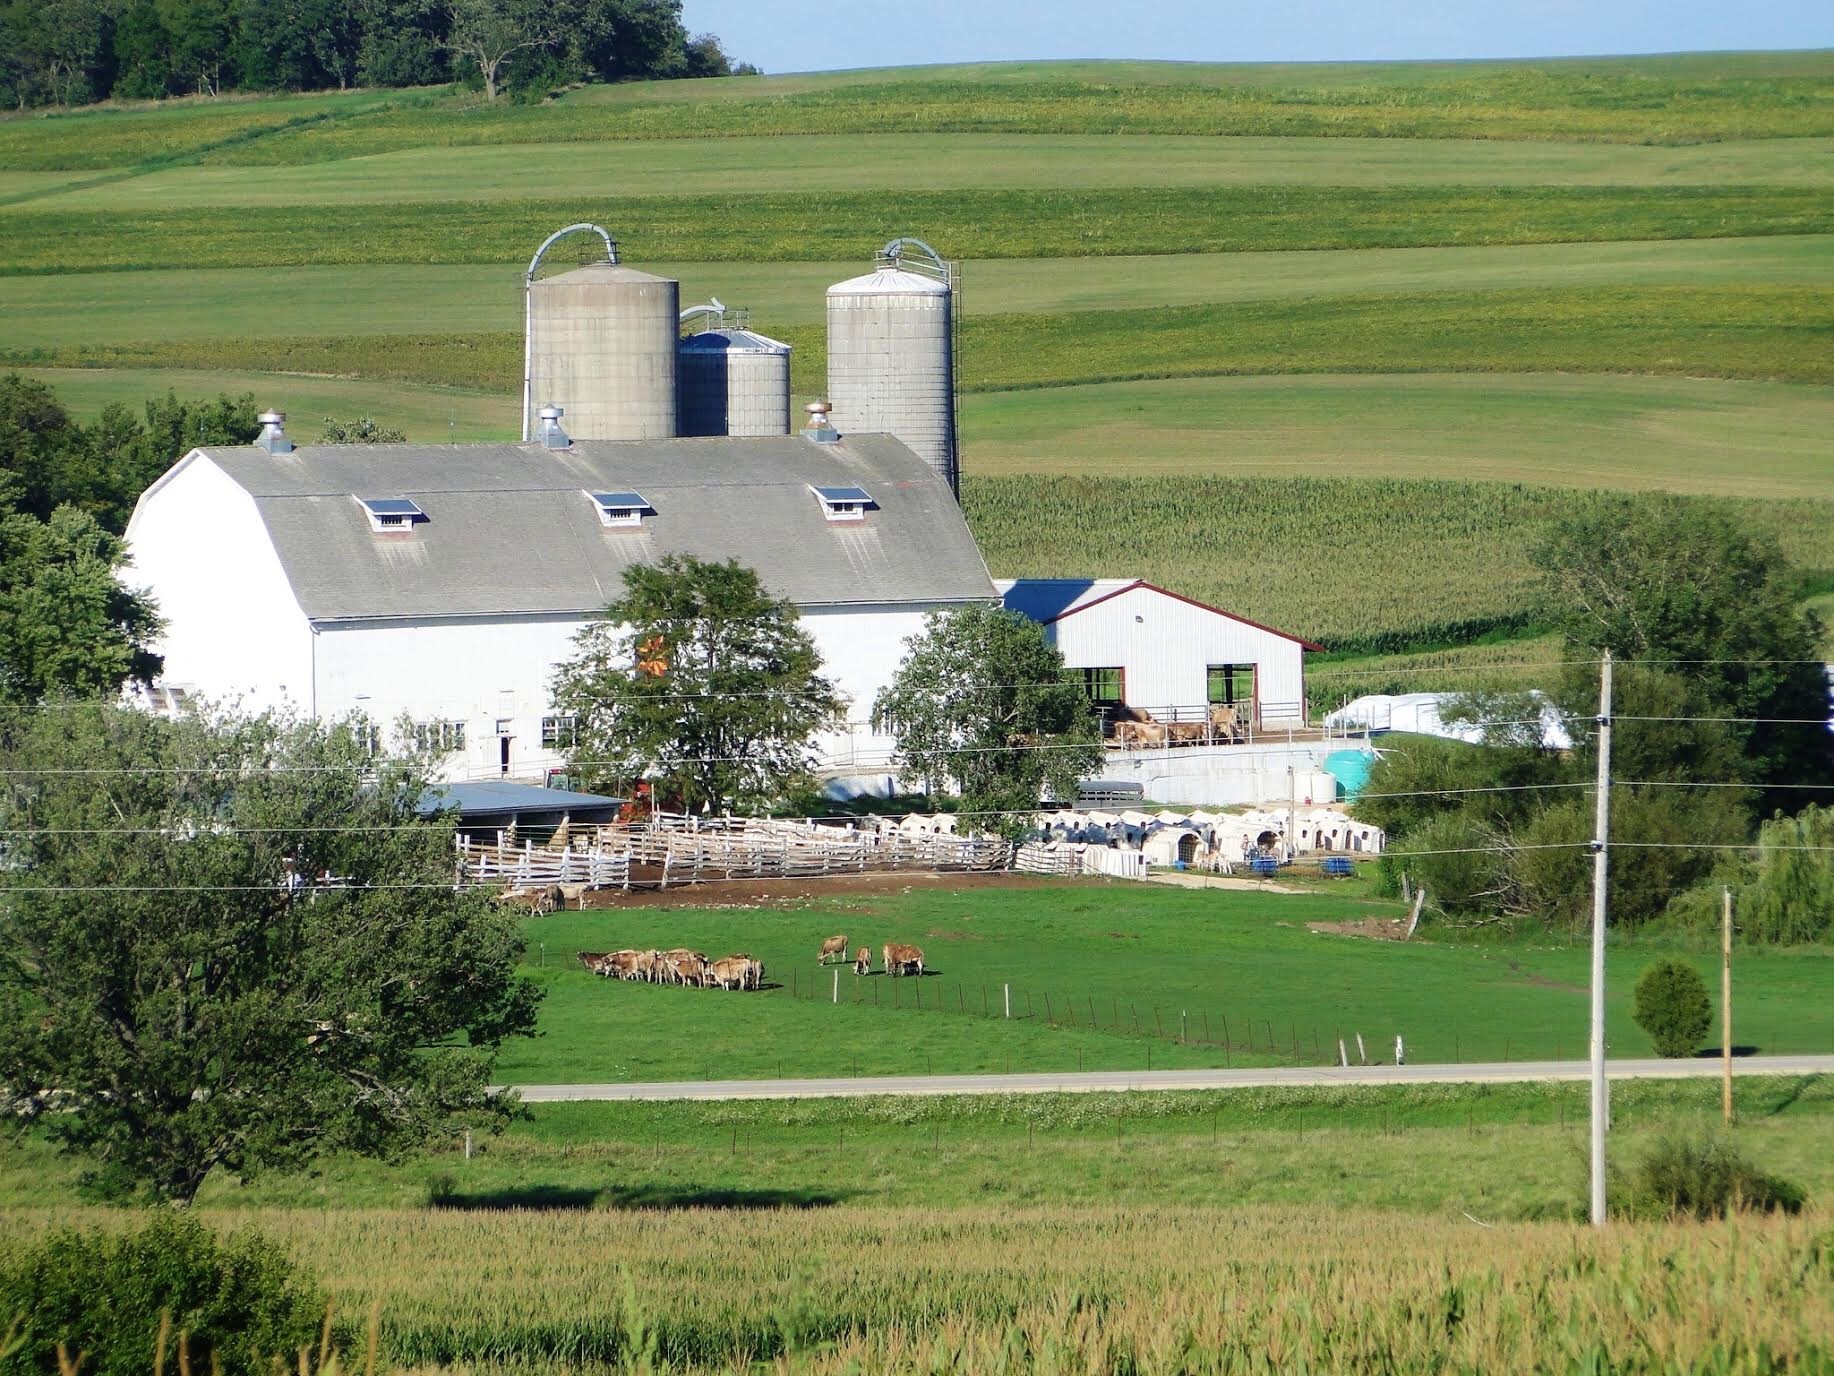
x=837 y=984
x=1363 y=1055
x=1008 y=989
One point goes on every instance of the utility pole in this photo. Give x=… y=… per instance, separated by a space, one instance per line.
x=1725 y=1006
x=1601 y=837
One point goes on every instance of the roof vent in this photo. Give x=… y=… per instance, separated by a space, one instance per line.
x=548 y=431
x=272 y=438
x=820 y=429
x=844 y=503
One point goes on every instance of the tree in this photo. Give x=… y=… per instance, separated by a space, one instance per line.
x=231 y=943
x=1668 y=580
x=67 y=626
x=487 y=33
x=1790 y=897
x=1671 y=1005
x=700 y=681
x=981 y=703
x=359 y=430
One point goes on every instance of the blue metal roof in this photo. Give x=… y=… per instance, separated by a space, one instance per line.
x=501 y=797
x=843 y=494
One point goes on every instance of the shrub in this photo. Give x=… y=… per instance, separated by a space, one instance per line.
x=1671 y=1005
x=1701 y=1177
x=240 y=1302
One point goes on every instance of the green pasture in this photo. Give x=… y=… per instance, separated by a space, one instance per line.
x=1606 y=100
x=826 y=226
x=1763 y=332
x=1372 y=565
x=1682 y=434
x=88 y=309
x=1511 y=1150
x=1131 y=972
x=837 y=162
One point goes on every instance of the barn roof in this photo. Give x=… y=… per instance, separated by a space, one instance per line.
x=513 y=528
x=1052 y=599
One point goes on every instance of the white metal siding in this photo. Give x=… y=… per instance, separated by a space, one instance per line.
x=1166 y=644
x=233 y=629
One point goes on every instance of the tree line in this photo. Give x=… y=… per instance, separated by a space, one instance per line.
x=69 y=52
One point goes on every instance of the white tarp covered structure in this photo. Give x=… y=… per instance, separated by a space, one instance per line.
x=1422 y=713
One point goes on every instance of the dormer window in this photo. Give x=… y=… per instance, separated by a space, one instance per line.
x=844 y=503
x=621 y=508
x=391 y=515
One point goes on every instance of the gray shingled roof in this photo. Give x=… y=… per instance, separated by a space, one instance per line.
x=510 y=528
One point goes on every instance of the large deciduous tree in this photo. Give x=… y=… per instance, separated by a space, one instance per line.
x=231 y=943
x=488 y=33
x=1683 y=585
x=700 y=681
x=981 y=703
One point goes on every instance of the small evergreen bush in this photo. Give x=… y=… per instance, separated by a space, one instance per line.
x=239 y=1302
x=1671 y=1005
x=1701 y=1177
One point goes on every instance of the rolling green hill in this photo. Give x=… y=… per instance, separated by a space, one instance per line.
x=1602 y=272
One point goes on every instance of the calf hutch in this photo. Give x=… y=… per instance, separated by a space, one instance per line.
x=1144 y=652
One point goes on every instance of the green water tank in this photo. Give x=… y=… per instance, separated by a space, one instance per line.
x=1351 y=770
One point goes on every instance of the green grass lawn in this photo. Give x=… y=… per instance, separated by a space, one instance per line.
x=1162 y=961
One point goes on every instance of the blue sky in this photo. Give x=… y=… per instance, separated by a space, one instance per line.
x=817 y=35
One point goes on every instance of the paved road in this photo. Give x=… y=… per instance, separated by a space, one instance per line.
x=1094 y=1081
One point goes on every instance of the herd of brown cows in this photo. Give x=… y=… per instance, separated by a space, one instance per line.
x=1135 y=726
x=677 y=967
x=899 y=959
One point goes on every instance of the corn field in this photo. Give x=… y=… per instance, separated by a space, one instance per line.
x=1074 y=1289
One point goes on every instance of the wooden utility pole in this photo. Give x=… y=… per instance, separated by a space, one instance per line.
x=1601 y=837
x=1725 y=1006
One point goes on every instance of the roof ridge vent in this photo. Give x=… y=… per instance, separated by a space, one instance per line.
x=820 y=429
x=548 y=431
x=273 y=438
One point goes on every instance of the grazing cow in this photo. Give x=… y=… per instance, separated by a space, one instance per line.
x=591 y=959
x=1186 y=732
x=834 y=946
x=621 y=964
x=729 y=972
x=862 y=963
x=686 y=967
x=754 y=970
x=901 y=959
x=535 y=902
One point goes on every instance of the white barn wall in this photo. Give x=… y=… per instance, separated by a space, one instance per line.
x=1166 y=649
x=233 y=630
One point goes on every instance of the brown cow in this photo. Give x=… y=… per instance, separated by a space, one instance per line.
x=729 y=972
x=833 y=946
x=1139 y=733
x=535 y=902
x=1225 y=722
x=591 y=959
x=901 y=959
x=1186 y=732
x=862 y=963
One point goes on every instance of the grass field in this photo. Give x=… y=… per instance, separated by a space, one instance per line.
x=1610 y=272
x=1104 y=976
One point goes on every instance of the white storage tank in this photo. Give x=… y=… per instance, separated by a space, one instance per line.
x=732 y=381
x=891 y=356
x=601 y=345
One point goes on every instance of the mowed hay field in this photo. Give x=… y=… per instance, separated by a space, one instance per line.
x=1392 y=317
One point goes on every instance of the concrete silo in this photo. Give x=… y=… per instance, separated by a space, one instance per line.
x=732 y=381
x=891 y=355
x=601 y=344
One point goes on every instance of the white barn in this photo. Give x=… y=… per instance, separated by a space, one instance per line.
x=443 y=583
x=1138 y=645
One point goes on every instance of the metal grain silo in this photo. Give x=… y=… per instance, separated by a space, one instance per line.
x=601 y=344
x=891 y=356
x=732 y=381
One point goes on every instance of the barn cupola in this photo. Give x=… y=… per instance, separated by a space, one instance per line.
x=273 y=438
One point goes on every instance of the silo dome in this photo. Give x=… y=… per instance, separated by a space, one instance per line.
x=733 y=382
x=891 y=365
x=602 y=346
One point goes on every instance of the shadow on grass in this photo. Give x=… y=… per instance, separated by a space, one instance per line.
x=714 y=1197
x=553 y=1198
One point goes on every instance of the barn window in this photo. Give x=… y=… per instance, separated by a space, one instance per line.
x=621 y=508
x=844 y=503
x=1230 y=684
x=391 y=514
x=439 y=737
x=1105 y=687
x=559 y=733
